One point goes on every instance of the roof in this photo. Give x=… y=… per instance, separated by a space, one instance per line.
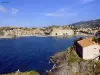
x=87 y=42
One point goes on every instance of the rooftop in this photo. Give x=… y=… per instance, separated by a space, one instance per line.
x=87 y=42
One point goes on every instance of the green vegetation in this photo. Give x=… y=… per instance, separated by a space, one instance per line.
x=14 y=36
x=1 y=33
x=97 y=68
x=96 y=39
x=87 y=24
x=23 y=73
x=33 y=73
x=73 y=55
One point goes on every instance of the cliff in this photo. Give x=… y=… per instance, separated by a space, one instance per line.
x=69 y=63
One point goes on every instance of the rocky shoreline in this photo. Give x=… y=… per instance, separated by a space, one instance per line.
x=69 y=63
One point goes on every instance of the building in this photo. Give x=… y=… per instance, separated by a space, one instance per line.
x=61 y=32
x=88 y=49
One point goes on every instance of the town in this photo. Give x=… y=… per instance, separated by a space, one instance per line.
x=11 y=32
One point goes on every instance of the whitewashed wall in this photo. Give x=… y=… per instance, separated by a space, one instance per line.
x=91 y=51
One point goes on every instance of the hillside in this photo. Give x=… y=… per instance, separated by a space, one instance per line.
x=68 y=63
x=85 y=24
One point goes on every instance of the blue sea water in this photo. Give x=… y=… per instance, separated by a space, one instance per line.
x=30 y=53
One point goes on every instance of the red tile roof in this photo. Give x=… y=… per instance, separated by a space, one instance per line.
x=87 y=42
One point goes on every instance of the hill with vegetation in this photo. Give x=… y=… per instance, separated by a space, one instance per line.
x=87 y=24
x=69 y=63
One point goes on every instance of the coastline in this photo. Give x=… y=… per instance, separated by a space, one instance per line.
x=57 y=60
x=4 y=37
x=69 y=63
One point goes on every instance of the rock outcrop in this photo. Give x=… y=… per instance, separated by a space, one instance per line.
x=68 y=63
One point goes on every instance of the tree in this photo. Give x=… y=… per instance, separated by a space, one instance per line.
x=96 y=39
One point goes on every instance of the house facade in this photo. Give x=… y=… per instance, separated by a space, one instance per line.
x=87 y=49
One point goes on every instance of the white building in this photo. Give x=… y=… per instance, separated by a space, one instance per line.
x=87 y=49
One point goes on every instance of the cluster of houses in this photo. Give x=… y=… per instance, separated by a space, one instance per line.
x=87 y=30
x=54 y=31
x=86 y=48
x=49 y=31
x=89 y=49
x=22 y=32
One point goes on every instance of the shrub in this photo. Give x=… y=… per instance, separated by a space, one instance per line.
x=73 y=55
x=33 y=73
x=97 y=68
x=96 y=39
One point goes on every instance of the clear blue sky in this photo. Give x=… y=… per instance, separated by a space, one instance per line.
x=40 y=13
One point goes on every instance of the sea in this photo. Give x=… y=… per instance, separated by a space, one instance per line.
x=31 y=53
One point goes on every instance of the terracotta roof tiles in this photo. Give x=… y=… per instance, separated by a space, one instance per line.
x=87 y=42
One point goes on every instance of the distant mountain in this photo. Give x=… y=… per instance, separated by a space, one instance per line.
x=85 y=24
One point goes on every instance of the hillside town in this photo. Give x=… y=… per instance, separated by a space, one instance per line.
x=19 y=32
x=10 y=32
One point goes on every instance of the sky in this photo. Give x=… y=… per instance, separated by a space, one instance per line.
x=41 y=13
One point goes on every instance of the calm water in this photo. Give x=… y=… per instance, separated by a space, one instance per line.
x=30 y=53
